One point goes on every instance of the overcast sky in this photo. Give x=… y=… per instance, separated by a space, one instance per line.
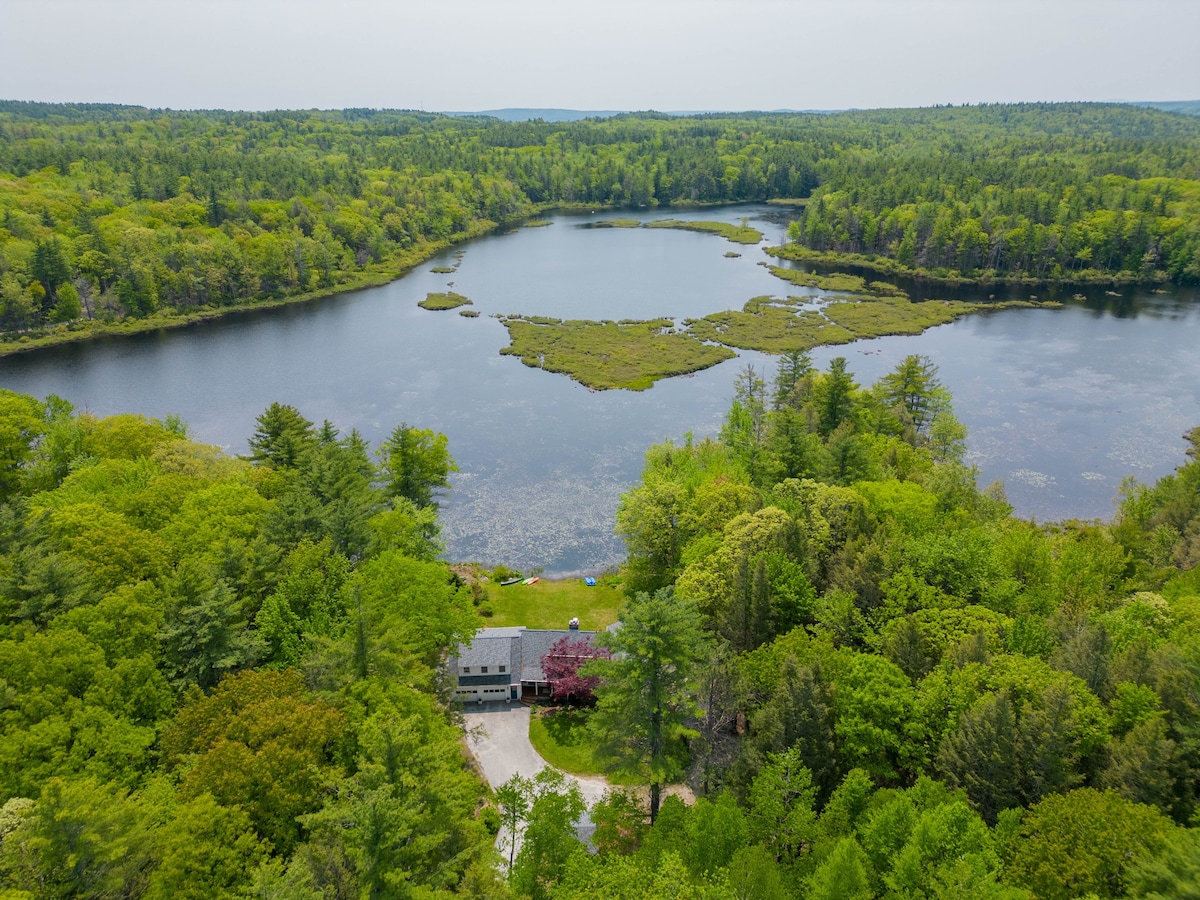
x=598 y=54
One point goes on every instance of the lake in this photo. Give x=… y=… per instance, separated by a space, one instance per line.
x=1061 y=404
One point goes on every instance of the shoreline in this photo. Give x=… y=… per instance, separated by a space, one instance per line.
x=884 y=265
x=84 y=330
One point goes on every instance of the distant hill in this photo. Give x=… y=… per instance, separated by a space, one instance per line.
x=520 y=114
x=1188 y=107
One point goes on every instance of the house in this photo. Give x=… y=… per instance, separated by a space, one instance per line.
x=506 y=663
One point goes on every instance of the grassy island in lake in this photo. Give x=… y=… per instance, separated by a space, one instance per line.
x=869 y=317
x=448 y=300
x=771 y=326
x=607 y=355
x=836 y=281
x=738 y=234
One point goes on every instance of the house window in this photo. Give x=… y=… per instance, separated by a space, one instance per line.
x=503 y=669
x=466 y=670
x=483 y=669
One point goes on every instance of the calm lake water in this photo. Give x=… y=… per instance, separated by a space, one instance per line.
x=1061 y=403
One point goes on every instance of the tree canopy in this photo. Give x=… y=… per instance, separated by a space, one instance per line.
x=113 y=212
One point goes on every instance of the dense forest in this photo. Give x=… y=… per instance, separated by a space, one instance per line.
x=895 y=688
x=222 y=676
x=111 y=213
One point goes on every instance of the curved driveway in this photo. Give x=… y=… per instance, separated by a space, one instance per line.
x=498 y=737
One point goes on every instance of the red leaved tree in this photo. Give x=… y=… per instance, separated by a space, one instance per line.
x=561 y=665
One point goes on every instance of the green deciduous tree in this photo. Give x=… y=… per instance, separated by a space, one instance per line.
x=550 y=842
x=81 y=839
x=261 y=742
x=513 y=798
x=1173 y=873
x=207 y=851
x=1084 y=841
x=781 y=806
x=22 y=421
x=842 y=875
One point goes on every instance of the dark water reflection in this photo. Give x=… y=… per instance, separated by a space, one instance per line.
x=1061 y=403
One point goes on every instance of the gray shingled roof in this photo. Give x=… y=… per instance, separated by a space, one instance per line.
x=493 y=647
x=536 y=643
x=519 y=648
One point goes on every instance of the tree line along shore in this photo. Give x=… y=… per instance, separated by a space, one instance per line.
x=116 y=219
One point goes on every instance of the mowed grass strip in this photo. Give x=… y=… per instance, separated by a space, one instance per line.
x=608 y=355
x=552 y=604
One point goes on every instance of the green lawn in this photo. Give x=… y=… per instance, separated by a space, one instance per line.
x=551 y=604
x=561 y=737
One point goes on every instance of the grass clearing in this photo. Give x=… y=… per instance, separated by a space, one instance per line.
x=561 y=736
x=607 y=355
x=551 y=604
x=448 y=300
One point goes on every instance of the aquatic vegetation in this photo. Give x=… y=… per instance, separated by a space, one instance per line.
x=732 y=254
x=874 y=317
x=536 y=223
x=607 y=355
x=615 y=223
x=469 y=313
x=448 y=300
x=738 y=234
x=835 y=282
x=769 y=325
x=442 y=270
